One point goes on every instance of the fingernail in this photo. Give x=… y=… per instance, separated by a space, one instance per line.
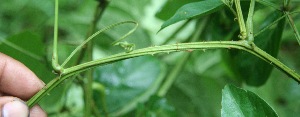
x=15 y=108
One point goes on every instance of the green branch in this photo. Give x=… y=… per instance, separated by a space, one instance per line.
x=240 y=45
x=46 y=89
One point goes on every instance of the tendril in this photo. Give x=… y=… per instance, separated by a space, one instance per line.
x=127 y=46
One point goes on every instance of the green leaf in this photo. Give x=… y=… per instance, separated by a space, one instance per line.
x=75 y=106
x=156 y=106
x=192 y=10
x=237 y=102
x=252 y=69
x=196 y=96
x=213 y=32
x=170 y=7
x=269 y=4
x=128 y=83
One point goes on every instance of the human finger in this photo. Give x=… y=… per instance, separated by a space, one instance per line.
x=16 y=79
x=37 y=111
x=13 y=107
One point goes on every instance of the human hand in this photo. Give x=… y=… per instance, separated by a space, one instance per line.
x=17 y=83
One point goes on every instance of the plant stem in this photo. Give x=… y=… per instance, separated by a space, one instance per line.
x=38 y=96
x=267 y=27
x=275 y=22
x=229 y=5
x=241 y=45
x=250 y=22
x=173 y=75
x=68 y=72
x=55 y=63
x=98 y=14
x=95 y=110
x=87 y=85
x=88 y=93
x=240 y=18
x=82 y=45
x=101 y=90
x=88 y=90
x=288 y=2
x=293 y=26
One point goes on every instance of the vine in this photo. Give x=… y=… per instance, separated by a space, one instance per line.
x=241 y=45
x=244 y=44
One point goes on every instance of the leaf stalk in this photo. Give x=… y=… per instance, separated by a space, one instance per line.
x=240 y=18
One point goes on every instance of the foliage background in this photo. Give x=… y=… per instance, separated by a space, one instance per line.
x=197 y=90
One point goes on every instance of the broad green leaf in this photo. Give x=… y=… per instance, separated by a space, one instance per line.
x=192 y=10
x=133 y=8
x=281 y=94
x=269 y=4
x=29 y=17
x=155 y=106
x=213 y=32
x=170 y=7
x=237 y=102
x=249 y=67
x=74 y=100
x=196 y=96
x=128 y=83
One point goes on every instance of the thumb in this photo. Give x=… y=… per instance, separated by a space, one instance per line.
x=13 y=107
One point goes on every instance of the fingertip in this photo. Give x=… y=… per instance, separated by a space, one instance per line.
x=16 y=79
x=13 y=107
x=37 y=111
